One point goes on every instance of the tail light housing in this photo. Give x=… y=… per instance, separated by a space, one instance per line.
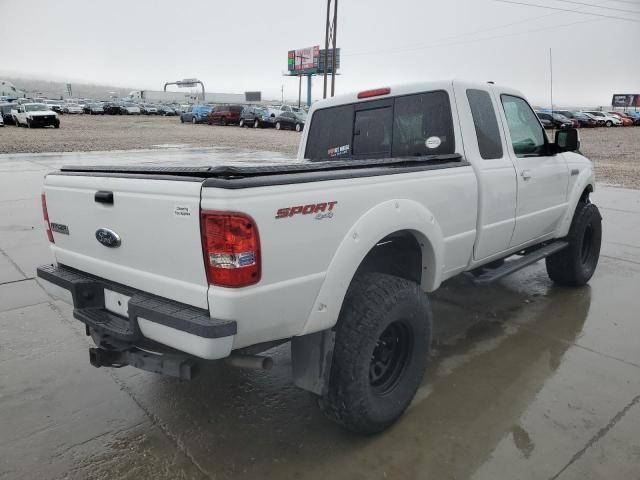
x=45 y=214
x=231 y=249
x=377 y=92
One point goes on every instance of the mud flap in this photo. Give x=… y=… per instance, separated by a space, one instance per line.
x=311 y=357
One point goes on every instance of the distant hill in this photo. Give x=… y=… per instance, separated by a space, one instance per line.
x=59 y=89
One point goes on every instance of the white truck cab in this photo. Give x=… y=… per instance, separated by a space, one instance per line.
x=394 y=191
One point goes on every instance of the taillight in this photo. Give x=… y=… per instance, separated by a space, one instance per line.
x=45 y=214
x=231 y=248
x=374 y=93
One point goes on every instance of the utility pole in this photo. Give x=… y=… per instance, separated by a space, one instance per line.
x=330 y=37
x=551 y=78
x=333 y=63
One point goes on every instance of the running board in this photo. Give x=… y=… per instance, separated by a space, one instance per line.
x=507 y=268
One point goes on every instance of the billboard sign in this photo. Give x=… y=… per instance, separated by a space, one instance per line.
x=625 y=100
x=304 y=60
x=252 y=96
x=187 y=82
x=329 y=60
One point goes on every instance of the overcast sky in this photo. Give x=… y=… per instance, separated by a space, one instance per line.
x=234 y=46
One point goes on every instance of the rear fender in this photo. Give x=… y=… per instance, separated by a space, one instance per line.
x=379 y=222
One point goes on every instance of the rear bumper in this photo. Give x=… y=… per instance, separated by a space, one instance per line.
x=177 y=325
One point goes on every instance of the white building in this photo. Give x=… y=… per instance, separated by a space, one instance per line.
x=153 y=96
x=8 y=89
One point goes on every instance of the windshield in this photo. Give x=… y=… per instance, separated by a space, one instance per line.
x=36 y=108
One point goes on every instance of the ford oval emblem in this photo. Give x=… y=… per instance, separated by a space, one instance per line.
x=108 y=238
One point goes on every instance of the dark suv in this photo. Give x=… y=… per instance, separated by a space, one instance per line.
x=225 y=115
x=256 y=117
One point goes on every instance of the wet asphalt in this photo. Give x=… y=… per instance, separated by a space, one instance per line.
x=527 y=380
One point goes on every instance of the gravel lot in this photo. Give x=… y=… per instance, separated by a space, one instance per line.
x=615 y=151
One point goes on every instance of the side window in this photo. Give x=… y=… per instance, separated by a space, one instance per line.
x=423 y=125
x=527 y=136
x=372 y=132
x=330 y=133
x=485 y=123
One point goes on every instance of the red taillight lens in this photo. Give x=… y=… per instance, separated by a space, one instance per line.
x=374 y=93
x=45 y=214
x=231 y=248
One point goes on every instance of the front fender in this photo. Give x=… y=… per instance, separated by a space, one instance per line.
x=585 y=179
x=382 y=220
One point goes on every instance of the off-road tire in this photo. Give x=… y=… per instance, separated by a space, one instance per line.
x=374 y=304
x=574 y=266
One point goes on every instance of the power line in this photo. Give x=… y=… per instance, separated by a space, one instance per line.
x=462 y=42
x=599 y=6
x=568 y=10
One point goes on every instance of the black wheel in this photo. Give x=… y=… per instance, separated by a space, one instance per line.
x=56 y=125
x=181 y=119
x=298 y=127
x=383 y=339
x=574 y=266
x=223 y=121
x=278 y=126
x=241 y=122
x=256 y=123
x=29 y=124
x=193 y=120
x=609 y=123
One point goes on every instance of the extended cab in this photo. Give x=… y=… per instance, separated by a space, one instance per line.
x=394 y=191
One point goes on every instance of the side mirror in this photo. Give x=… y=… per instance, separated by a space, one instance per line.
x=567 y=140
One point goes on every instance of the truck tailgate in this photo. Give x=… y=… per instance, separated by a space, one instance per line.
x=158 y=224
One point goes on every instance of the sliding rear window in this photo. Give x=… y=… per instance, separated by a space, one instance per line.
x=405 y=126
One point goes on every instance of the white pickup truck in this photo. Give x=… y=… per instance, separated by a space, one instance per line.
x=394 y=191
x=32 y=115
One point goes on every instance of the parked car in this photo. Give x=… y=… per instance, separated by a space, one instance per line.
x=626 y=120
x=380 y=234
x=546 y=123
x=55 y=105
x=36 y=115
x=608 y=120
x=94 y=109
x=166 y=111
x=196 y=114
x=225 y=115
x=256 y=117
x=72 y=108
x=585 y=120
x=148 y=109
x=558 y=121
x=111 y=108
x=576 y=118
x=290 y=120
x=129 y=108
x=599 y=121
x=5 y=113
x=635 y=116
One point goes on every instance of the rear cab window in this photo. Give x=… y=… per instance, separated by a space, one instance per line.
x=404 y=126
x=486 y=124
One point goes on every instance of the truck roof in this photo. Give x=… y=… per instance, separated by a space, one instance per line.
x=409 y=88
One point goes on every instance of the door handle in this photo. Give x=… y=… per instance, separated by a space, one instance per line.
x=525 y=174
